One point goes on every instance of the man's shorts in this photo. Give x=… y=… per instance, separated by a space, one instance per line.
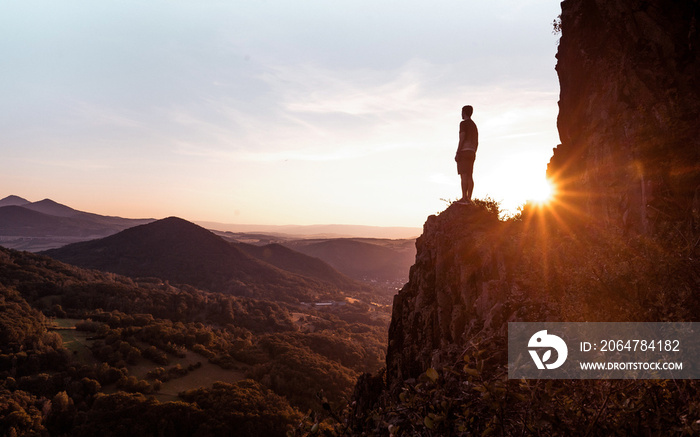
x=465 y=162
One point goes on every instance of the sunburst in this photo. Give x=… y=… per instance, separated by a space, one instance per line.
x=541 y=192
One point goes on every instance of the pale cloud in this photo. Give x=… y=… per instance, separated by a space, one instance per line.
x=261 y=100
x=310 y=154
x=317 y=114
x=320 y=114
x=354 y=92
x=417 y=89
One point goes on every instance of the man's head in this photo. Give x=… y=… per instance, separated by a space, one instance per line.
x=467 y=111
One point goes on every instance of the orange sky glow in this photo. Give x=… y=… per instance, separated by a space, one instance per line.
x=261 y=113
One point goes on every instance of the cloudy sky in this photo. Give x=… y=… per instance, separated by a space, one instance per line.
x=273 y=111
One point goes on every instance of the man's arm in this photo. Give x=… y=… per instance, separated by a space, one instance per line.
x=462 y=137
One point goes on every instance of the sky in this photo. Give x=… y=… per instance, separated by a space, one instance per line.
x=274 y=112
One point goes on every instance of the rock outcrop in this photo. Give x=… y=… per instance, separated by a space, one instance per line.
x=629 y=160
x=457 y=287
x=629 y=113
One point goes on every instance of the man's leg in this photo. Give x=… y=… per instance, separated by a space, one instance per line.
x=470 y=178
x=469 y=186
x=465 y=186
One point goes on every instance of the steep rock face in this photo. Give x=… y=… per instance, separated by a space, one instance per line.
x=630 y=129
x=629 y=113
x=456 y=287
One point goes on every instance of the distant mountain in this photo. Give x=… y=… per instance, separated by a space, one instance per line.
x=318 y=231
x=19 y=221
x=49 y=207
x=379 y=260
x=13 y=201
x=182 y=252
x=296 y=262
x=36 y=226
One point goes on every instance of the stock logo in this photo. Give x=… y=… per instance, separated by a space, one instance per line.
x=543 y=342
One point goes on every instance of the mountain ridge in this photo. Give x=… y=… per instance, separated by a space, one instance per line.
x=361 y=259
x=177 y=250
x=51 y=207
x=297 y=262
x=47 y=224
x=13 y=200
x=318 y=230
x=55 y=232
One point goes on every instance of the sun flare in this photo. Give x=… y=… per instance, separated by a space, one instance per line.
x=542 y=191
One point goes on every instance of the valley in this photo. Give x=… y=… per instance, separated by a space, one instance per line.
x=166 y=312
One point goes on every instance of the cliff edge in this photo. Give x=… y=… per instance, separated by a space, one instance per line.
x=457 y=287
x=629 y=160
x=620 y=242
x=628 y=114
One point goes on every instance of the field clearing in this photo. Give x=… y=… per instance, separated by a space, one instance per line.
x=77 y=342
x=204 y=376
x=296 y=317
x=65 y=323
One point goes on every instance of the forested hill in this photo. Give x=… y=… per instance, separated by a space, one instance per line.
x=300 y=264
x=184 y=253
x=385 y=261
x=86 y=353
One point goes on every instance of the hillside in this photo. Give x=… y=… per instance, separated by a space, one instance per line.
x=300 y=264
x=184 y=253
x=383 y=261
x=84 y=353
x=379 y=262
x=36 y=226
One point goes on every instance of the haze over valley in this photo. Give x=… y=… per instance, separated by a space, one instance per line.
x=46 y=224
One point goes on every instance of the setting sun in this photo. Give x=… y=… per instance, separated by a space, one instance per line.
x=541 y=191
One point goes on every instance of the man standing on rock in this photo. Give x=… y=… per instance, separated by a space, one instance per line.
x=466 y=152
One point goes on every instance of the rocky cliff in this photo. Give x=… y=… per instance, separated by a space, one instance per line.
x=619 y=243
x=629 y=113
x=448 y=300
x=629 y=161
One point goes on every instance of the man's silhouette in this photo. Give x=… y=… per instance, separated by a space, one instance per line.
x=466 y=152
